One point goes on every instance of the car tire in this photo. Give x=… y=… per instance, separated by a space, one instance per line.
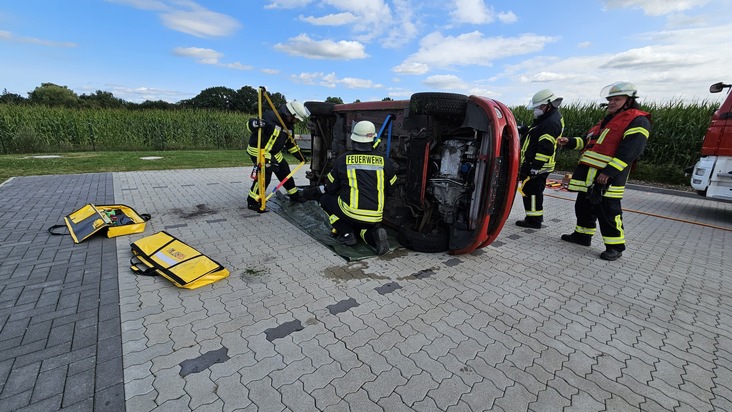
x=438 y=103
x=424 y=242
x=320 y=108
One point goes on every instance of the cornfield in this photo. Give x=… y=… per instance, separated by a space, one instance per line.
x=38 y=129
x=675 y=143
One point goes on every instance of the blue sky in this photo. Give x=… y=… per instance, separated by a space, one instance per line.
x=367 y=49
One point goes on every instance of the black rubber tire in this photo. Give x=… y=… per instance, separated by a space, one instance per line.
x=424 y=242
x=320 y=108
x=431 y=103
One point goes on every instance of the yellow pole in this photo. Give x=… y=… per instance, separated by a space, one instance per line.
x=261 y=180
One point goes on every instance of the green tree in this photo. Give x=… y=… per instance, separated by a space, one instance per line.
x=50 y=94
x=334 y=100
x=387 y=99
x=216 y=98
x=245 y=100
x=101 y=99
x=11 y=98
x=155 y=104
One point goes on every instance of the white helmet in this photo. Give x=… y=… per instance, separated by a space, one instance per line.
x=298 y=110
x=545 y=96
x=363 y=132
x=619 y=89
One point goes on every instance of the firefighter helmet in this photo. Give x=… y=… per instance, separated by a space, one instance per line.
x=298 y=110
x=363 y=132
x=545 y=96
x=619 y=89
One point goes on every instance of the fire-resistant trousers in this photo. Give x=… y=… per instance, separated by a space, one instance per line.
x=608 y=213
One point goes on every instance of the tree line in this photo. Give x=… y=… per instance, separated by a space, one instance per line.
x=221 y=98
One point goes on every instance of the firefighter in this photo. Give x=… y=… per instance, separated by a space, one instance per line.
x=274 y=140
x=608 y=151
x=356 y=190
x=538 y=148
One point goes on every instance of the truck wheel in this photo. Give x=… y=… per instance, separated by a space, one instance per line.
x=320 y=108
x=438 y=103
x=424 y=242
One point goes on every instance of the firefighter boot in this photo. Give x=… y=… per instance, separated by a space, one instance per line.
x=578 y=238
x=297 y=197
x=254 y=205
x=347 y=239
x=529 y=223
x=377 y=238
x=611 y=254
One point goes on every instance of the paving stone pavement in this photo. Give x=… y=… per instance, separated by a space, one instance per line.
x=527 y=323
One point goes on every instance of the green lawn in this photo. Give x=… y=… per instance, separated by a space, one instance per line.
x=94 y=162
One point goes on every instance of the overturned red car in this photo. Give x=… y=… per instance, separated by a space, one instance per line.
x=456 y=159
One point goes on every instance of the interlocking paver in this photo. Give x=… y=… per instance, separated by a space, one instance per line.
x=551 y=330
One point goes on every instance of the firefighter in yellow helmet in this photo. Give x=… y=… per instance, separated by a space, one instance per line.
x=274 y=141
x=538 y=147
x=356 y=190
x=608 y=151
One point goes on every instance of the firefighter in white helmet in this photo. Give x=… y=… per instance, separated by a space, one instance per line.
x=274 y=141
x=608 y=151
x=356 y=190
x=538 y=148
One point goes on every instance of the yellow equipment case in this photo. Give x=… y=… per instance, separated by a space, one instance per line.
x=116 y=220
x=162 y=254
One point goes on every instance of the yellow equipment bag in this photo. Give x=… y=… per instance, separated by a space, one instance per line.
x=116 y=220
x=162 y=254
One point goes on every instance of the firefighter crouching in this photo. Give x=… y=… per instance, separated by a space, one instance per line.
x=356 y=190
x=274 y=140
x=608 y=151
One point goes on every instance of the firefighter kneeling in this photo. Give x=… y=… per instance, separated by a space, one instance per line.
x=356 y=190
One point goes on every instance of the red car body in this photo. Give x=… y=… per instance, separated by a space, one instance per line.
x=456 y=159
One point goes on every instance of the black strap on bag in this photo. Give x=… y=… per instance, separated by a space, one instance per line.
x=52 y=229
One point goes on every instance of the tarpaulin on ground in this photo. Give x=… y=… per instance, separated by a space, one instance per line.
x=311 y=219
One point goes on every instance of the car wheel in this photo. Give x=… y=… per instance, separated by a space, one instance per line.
x=320 y=108
x=438 y=103
x=424 y=242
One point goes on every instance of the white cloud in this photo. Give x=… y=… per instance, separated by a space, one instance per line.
x=507 y=17
x=411 y=68
x=473 y=48
x=584 y=44
x=445 y=82
x=650 y=57
x=188 y=17
x=200 y=23
x=287 y=4
x=9 y=37
x=472 y=11
x=338 y=19
x=304 y=46
x=656 y=7
x=142 y=4
x=270 y=71
x=331 y=80
x=208 y=56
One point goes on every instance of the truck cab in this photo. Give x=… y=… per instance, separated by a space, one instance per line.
x=712 y=174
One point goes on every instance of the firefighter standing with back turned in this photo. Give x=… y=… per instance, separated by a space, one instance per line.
x=608 y=151
x=274 y=140
x=356 y=190
x=538 y=148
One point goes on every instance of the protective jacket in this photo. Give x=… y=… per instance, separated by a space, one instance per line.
x=362 y=181
x=610 y=147
x=274 y=138
x=540 y=143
